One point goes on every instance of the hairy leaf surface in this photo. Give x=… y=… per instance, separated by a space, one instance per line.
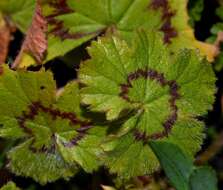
x=55 y=139
x=162 y=94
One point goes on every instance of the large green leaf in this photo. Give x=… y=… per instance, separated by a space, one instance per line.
x=55 y=138
x=71 y=23
x=161 y=94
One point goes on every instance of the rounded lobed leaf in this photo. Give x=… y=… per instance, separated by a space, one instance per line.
x=51 y=127
x=164 y=94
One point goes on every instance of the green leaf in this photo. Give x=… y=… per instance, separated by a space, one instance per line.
x=20 y=11
x=128 y=157
x=218 y=65
x=175 y=163
x=162 y=94
x=87 y=153
x=180 y=170
x=203 y=178
x=195 y=10
x=41 y=167
x=72 y=23
x=10 y=186
x=219 y=11
x=50 y=127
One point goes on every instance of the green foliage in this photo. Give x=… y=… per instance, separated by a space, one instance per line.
x=215 y=30
x=163 y=95
x=71 y=23
x=57 y=139
x=136 y=103
x=180 y=170
x=219 y=12
x=10 y=186
x=195 y=10
x=203 y=178
x=20 y=11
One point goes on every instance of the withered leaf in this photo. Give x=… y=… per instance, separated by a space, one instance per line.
x=35 y=43
x=5 y=37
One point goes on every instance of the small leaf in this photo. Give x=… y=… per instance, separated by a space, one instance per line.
x=10 y=186
x=175 y=163
x=203 y=178
x=195 y=10
x=219 y=11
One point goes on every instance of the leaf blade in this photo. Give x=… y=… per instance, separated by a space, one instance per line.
x=176 y=165
x=203 y=178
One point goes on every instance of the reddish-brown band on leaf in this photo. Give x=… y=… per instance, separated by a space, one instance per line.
x=167 y=14
x=150 y=74
x=33 y=111
x=58 y=28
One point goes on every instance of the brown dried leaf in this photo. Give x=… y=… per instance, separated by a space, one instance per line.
x=35 y=42
x=5 y=37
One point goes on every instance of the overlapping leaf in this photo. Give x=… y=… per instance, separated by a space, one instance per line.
x=163 y=93
x=203 y=178
x=180 y=170
x=35 y=43
x=75 y=22
x=71 y=23
x=55 y=139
